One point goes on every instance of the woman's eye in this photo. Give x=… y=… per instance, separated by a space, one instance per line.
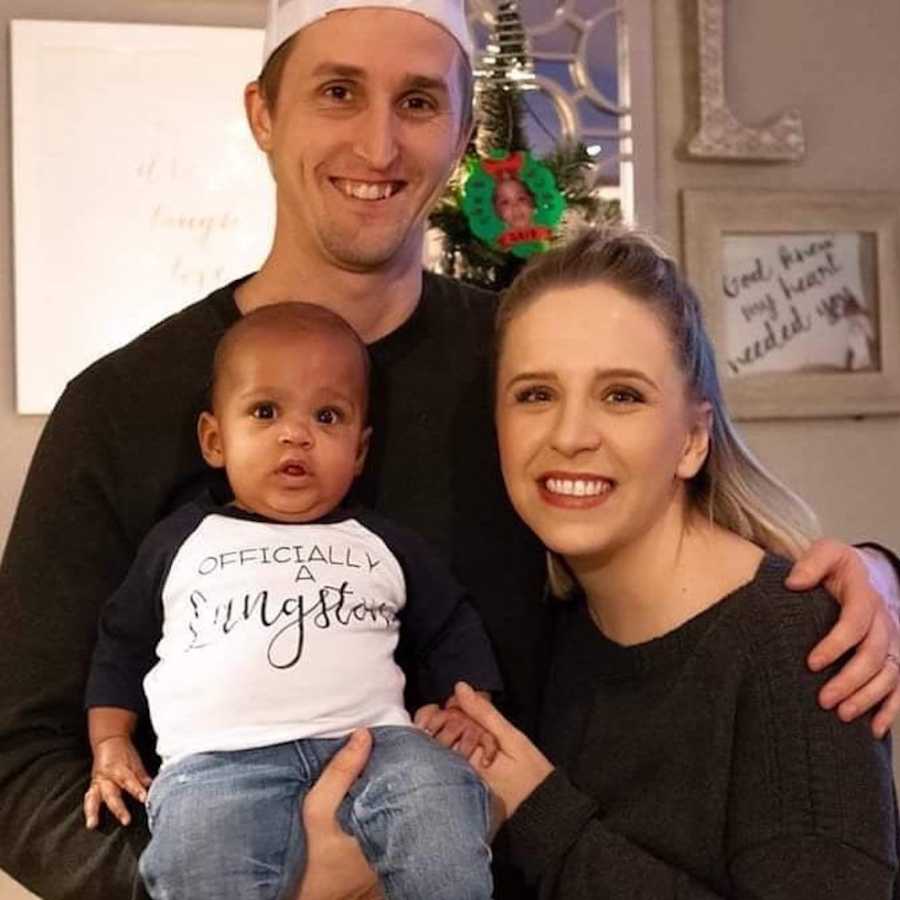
x=329 y=416
x=533 y=395
x=263 y=411
x=623 y=396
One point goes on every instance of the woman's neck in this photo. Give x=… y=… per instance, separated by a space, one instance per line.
x=671 y=573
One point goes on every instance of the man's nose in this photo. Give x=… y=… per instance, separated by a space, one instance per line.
x=376 y=136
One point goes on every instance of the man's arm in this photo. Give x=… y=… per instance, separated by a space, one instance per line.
x=335 y=866
x=66 y=552
x=865 y=582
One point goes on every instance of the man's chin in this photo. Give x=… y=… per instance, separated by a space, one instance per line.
x=356 y=256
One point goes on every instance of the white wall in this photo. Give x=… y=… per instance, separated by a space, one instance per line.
x=835 y=60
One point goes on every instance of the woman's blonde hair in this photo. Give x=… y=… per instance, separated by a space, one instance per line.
x=732 y=489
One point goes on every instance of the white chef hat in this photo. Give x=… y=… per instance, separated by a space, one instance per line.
x=287 y=17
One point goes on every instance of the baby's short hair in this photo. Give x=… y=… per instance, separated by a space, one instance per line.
x=282 y=318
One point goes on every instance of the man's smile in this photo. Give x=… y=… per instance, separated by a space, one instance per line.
x=368 y=190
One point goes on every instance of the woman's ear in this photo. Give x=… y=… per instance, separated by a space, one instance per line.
x=696 y=445
x=210 y=438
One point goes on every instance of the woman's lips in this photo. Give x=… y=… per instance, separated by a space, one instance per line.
x=574 y=490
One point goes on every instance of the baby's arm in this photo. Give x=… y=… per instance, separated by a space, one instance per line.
x=117 y=764
x=453 y=728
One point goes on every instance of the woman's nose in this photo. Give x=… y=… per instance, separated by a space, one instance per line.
x=575 y=430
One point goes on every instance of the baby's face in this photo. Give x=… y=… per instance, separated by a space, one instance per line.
x=289 y=423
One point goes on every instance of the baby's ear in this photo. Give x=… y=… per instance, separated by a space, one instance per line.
x=362 y=451
x=210 y=438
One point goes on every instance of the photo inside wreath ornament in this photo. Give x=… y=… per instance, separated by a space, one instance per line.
x=512 y=203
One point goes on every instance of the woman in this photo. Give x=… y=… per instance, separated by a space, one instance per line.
x=686 y=754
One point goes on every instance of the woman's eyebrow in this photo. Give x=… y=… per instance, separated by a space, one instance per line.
x=531 y=376
x=620 y=372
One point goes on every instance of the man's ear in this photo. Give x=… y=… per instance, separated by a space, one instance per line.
x=362 y=451
x=465 y=136
x=258 y=115
x=696 y=445
x=210 y=438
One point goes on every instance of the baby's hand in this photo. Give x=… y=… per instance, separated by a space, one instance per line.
x=451 y=727
x=117 y=768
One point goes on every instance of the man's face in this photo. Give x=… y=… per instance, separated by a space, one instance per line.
x=365 y=132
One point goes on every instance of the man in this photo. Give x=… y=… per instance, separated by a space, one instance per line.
x=362 y=111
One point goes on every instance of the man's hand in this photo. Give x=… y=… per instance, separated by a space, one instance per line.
x=453 y=728
x=335 y=866
x=865 y=585
x=117 y=767
x=519 y=766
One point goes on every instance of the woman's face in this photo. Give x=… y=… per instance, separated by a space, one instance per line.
x=597 y=432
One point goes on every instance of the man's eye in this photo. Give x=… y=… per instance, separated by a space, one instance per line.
x=337 y=92
x=419 y=103
x=263 y=411
x=329 y=416
x=533 y=395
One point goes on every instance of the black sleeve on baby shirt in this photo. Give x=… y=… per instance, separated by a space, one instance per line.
x=442 y=639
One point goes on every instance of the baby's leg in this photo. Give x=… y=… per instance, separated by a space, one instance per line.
x=226 y=825
x=421 y=815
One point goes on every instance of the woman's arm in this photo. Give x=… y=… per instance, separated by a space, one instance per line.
x=558 y=838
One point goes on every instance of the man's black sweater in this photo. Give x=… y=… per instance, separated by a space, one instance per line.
x=120 y=452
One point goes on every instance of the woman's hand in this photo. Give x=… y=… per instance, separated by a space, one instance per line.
x=452 y=728
x=335 y=866
x=518 y=768
x=865 y=585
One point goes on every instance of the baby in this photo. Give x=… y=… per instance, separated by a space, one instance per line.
x=263 y=632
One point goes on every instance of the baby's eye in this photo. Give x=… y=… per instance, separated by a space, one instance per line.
x=263 y=411
x=329 y=415
x=534 y=394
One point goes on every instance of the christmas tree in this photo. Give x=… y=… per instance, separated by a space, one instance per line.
x=502 y=83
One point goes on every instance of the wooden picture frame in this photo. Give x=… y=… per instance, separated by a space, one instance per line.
x=801 y=298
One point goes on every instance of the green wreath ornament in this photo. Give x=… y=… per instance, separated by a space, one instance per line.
x=478 y=202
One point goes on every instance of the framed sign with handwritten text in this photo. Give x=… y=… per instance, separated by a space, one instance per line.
x=801 y=297
x=138 y=187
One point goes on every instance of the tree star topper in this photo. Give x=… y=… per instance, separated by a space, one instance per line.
x=512 y=203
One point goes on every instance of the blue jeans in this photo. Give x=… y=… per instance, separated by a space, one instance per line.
x=227 y=824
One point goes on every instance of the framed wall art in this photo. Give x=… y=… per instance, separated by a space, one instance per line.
x=137 y=185
x=800 y=293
